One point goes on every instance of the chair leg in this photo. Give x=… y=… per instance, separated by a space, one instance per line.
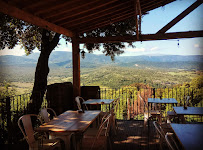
x=159 y=119
x=110 y=143
x=145 y=120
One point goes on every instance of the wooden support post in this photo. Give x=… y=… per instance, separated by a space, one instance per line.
x=8 y=119
x=136 y=19
x=76 y=67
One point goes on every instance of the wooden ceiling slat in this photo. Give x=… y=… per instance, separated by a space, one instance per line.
x=77 y=15
x=98 y=16
x=81 y=9
x=151 y=5
x=20 y=4
x=34 y=5
x=95 y=14
x=60 y=7
x=104 y=20
x=17 y=13
x=104 y=23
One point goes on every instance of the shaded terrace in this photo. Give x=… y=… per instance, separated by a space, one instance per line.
x=85 y=15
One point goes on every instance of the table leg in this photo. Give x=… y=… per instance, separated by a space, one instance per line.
x=182 y=118
x=66 y=138
x=148 y=116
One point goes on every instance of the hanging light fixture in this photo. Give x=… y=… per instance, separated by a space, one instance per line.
x=82 y=53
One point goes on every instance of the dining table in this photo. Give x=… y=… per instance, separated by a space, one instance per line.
x=69 y=122
x=161 y=101
x=189 y=135
x=181 y=111
x=99 y=102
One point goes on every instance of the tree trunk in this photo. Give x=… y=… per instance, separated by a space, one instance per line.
x=42 y=71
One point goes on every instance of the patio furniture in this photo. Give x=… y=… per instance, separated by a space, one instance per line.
x=114 y=120
x=99 y=140
x=161 y=101
x=172 y=144
x=79 y=100
x=45 y=115
x=26 y=127
x=181 y=111
x=70 y=122
x=162 y=129
x=99 y=102
x=172 y=114
x=189 y=135
x=149 y=114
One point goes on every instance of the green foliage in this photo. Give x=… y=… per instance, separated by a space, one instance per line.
x=6 y=90
x=122 y=28
x=117 y=77
x=197 y=82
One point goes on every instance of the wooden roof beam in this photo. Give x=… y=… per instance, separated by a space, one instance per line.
x=138 y=16
x=96 y=14
x=98 y=17
x=144 y=37
x=20 y=14
x=92 y=5
x=117 y=18
x=180 y=16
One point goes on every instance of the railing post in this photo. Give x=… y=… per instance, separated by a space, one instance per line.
x=8 y=118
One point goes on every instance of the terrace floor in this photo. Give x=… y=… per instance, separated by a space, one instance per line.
x=132 y=135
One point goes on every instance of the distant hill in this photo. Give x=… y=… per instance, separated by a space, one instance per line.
x=64 y=59
x=164 y=58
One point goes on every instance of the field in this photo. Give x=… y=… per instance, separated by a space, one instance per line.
x=22 y=78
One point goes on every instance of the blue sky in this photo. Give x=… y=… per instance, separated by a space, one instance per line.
x=151 y=23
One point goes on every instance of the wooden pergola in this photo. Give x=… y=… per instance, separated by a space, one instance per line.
x=73 y=17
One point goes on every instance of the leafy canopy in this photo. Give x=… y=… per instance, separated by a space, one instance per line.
x=14 y=31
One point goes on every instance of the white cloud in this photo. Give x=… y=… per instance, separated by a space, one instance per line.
x=15 y=51
x=135 y=49
x=154 y=48
x=67 y=49
x=196 y=45
x=64 y=47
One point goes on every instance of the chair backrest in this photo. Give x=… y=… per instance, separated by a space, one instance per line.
x=105 y=125
x=45 y=115
x=78 y=100
x=26 y=127
x=159 y=129
x=171 y=142
x=145 y=105
x=187 y=100
x=116 y=102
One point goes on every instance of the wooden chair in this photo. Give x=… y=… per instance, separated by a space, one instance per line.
x=79 y=100
x=26 y=127
x=114 y=120
x=162 y=129
x=98 y=139
x=172 y=114
x=172 y=144
x=149 y=114
x=114 y=109
x=45 y=115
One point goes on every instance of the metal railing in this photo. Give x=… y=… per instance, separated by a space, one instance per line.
x=129 y=107
x=11 y=108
